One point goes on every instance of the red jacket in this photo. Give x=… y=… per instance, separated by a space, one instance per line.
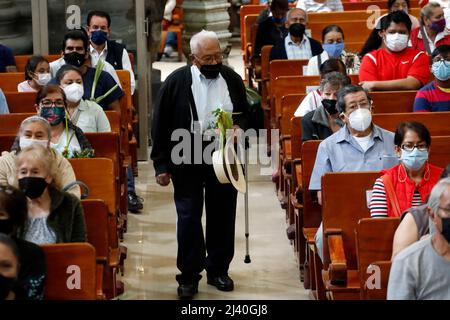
x=417 y=43
x=404 y=187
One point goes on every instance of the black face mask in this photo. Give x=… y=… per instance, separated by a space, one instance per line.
x=6 y=226
x=6 y=286
x=33 y=187
x=211 y=71
x=446 y=229
x=330 y=106
x=75 y=59
x=297 y=30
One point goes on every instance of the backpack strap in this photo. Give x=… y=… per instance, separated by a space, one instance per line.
x=389 y=189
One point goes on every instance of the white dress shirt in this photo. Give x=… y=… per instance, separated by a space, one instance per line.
x=126 y=63
x=209 y=95
x=296 y=51
x=328 y=6
x=57 y=64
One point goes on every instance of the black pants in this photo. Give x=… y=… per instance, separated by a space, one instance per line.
x=195 y=184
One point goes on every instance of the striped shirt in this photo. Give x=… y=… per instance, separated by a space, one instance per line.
x=294 y=51
x=431 y=99
x=378 y=202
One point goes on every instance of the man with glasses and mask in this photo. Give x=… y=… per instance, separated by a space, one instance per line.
x=358 y=146
x=394 y=66
x=185 y=104
x=422 y=270
x=75 y=52
x=435 y=96
x=296 y=44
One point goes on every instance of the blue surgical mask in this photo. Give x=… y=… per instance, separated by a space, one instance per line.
x=99 y=37
x=334 y=50
x=441 y=70
x=415 y=159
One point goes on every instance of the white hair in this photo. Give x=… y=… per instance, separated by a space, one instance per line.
x=198 y=38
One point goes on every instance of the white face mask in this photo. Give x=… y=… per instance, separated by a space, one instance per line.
x=360 y=119
x=25 y=142
x=396 y=42
x=43 y=79
x=74 y=92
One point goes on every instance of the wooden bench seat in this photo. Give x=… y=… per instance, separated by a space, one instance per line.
x=61 y=259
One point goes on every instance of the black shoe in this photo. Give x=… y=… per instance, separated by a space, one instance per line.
x=223 y=283
x=187 y=291
x=134 y=203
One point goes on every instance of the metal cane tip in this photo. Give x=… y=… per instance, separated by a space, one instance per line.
x=247 y=259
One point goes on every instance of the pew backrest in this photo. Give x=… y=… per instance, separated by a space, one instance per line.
x=374 y=239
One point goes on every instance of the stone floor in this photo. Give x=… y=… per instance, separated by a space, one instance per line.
x=151 y=239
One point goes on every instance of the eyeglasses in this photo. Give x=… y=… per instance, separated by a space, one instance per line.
x=50 y=103
x=210 y=59
x=410 y=147
x=440 y=58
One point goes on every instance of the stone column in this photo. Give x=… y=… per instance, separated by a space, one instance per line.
x=13 y=33
x=211 y=15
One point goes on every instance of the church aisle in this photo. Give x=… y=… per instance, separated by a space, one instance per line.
x=151 y=241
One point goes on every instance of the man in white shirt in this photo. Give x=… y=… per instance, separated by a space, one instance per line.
x=187 y=98
x=296 y=45
x=101 y=47
x=81 y=56
x=320 y=5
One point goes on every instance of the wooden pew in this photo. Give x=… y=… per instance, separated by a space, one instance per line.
x=21 y=60
x=98 y=174
x=354 y=30
x=440 y=151
x=10 y=123
x=436 y=122
x=379 y=294
x=336 y=17
x=310 y=217
x=265 y=76
x=9 y=81
x=243 y=12
x=382 y=102
x=97 y=224
x=21 y=102
x=61 y=259
x=365 y=4
x=374 y=239
x=6 y=142
x=343 y=205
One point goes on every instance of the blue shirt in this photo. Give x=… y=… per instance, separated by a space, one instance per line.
x=432 y=99
x=3 y=104
x=6 y=58
x=341 y=153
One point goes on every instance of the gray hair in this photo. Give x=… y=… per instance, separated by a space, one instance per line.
x=198 y=38
x=427 y=10
x=291 y=11
x=351 y=88
x=436 y=194
x=334 y=79
x=35 y=119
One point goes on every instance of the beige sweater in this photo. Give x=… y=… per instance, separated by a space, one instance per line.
x=64 y=172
